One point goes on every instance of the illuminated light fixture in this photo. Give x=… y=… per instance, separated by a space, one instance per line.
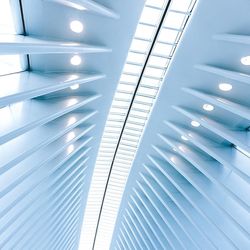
x=72 y=102
x=75 y=86
x=195 y=124
x=73 y=77
x=78 y=6
x=225 y=86
x=208 y=107
x=75 y=60
x=172 y=159
x=76 y=26
x=70 y=136
x=245 y=60
x=184 y=138
x=71 y=120
x=70 y=149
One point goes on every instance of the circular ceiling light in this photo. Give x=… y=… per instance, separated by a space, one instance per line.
x=195 y=124
x=225 y=86
x=75 y=60
x=184 y=138
x=75 y=86
x=208 y=107
x=76 y=26
x=245 y=60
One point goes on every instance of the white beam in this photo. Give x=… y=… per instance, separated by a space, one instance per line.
x=18 y=44
x=221 y=102
x=236 y=137
x=233 y=75
x=242 y=39
x=28 y=85
x=87 y=5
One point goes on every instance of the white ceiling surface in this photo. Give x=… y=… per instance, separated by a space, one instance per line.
x=212 y=223
x=219 y=201
x=50 y=21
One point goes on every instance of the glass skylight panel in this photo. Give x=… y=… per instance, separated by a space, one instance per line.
x=161 y=48
x=167 y=35
x=136 y=57
x=154 y=72
x=158 y=61
x=135 y=120
x=132 y=68
x=183 y=5
x=124 y=95
x=145 y=31
x=154 y=3
x=150 y=15
x=144 y=99
x=140 y=45
x=126 y=87
x=135 y=112
x=175 y=20
x=128 y=78
x=147 y=91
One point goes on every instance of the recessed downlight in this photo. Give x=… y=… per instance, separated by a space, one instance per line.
x=208 y=107
x=75 y=60
x=225 y=86
x=172 y=159
x=70 y=149
x=78 y=6
x=71 y=120
x=70 y=136
x=184 y=138
x=195 y=124
x=76 y=26
x=245 y=60
x=75 y=86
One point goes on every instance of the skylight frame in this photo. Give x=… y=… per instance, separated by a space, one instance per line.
x=11 y=24
x=103 y=235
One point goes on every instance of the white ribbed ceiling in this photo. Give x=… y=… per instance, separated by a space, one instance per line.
x=172 y=170
x=189 y=183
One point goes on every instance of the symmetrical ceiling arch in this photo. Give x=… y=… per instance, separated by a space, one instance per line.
x=124 y=124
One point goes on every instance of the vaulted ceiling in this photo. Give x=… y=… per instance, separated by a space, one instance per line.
x=125 y=124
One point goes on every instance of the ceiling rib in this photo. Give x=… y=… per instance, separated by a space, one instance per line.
x=233 y=75
x=34 y=84
x=18 y=44
x=87 y=5
x=233 y=135
x=51 y=122
x=236 y=108
x=242 y=39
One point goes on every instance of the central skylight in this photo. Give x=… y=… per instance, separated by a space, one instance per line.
x=157 y=35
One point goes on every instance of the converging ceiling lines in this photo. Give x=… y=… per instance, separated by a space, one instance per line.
x=189 y=184
x=56 y=88
x=156 y=38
